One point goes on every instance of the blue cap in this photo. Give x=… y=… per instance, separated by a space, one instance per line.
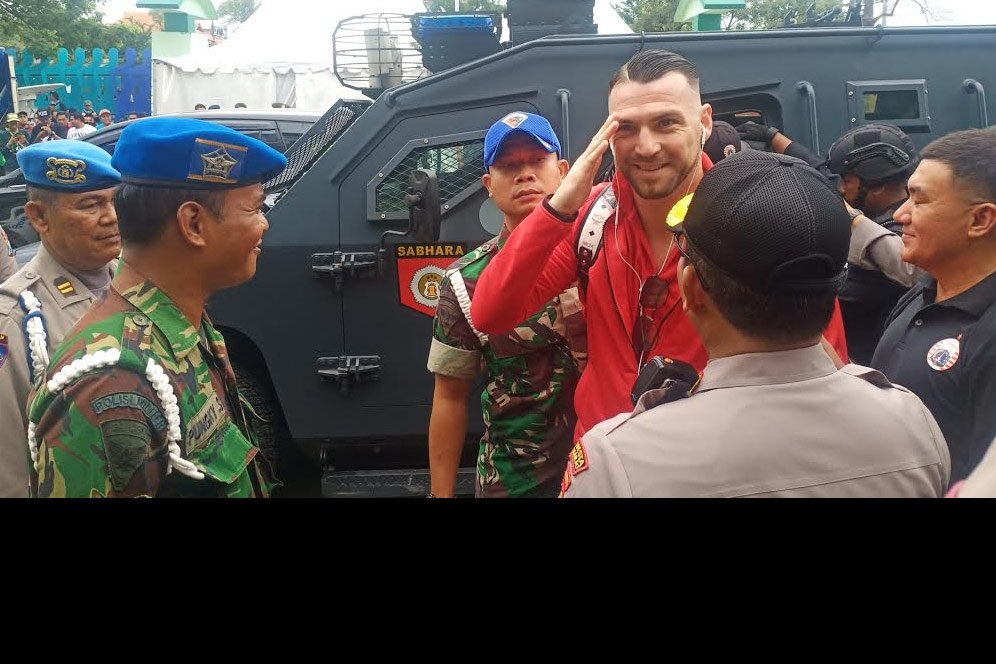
x=532 y=125
x=193 y=154
x=67 y=166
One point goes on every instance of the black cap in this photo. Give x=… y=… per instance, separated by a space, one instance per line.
x=873 y=152
x=723 y=142
x=772 y=223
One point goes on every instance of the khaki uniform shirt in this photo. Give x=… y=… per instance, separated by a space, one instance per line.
x=982 y=482
x=874 y=247
x=768 y=424
x=8 y=264
x=64 y=300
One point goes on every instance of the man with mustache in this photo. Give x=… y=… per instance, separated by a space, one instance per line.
x=657 y=128
x=531 y=371
x=71 y=205
x=140 y=399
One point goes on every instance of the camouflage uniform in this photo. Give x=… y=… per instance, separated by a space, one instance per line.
x=532 y=371
x=107 y=431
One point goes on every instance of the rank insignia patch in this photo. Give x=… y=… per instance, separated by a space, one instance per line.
x=4 y=350
x=64 y=286
x=577 y=460
x=421 y=268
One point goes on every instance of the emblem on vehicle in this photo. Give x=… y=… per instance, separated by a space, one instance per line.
x=421 y=268
x=944 y=354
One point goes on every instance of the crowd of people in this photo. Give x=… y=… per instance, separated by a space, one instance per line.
x=725 y=314
x=52 y=123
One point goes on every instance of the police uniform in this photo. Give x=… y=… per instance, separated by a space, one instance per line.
x=41 y=301
x=8 y=264
x=782 y=423
x=137 y=400
x=945 y=352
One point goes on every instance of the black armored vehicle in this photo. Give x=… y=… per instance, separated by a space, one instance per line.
x=331 y=337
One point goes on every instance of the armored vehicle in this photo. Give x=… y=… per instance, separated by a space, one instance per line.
x=331 y=337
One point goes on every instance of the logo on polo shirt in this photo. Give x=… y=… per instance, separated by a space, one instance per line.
x=944 y=354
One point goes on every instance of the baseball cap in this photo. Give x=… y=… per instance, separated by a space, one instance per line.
x=535 y=126
x=772 y=223
x=723 y=142
x=103 y=111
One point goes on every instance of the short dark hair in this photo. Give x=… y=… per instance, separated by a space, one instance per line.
x=971 y=156
x=40 y=195
x=144 y=212
x=776 y=317
x=24 y=113
x=240 y=104
x=652 y=64
x=198 y=107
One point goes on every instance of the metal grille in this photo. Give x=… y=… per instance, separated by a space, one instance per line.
x=457 y=165
x=376 y=52
x=318 y=139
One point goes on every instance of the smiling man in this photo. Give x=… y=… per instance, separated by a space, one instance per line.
x=72 y=208
x=940 y=341
x=657 y=129
x=531 y=370
x=140 y=399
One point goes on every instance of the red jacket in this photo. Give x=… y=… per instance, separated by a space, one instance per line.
x=539 y=261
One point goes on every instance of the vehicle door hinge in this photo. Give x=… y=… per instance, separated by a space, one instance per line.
x=338 y=265
x=349 y=370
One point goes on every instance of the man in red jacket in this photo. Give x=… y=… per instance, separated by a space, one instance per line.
x=616 y=241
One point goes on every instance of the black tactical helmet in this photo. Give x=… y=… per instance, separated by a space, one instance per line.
x=874 y=153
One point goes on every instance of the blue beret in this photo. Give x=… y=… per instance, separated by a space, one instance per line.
x=67 y=166
x=193 y=154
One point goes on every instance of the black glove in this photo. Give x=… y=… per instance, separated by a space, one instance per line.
x=758 y=133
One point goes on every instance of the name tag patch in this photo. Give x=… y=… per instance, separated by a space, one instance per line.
x=134 y=401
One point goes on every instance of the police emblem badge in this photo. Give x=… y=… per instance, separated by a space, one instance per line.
x=944 y=354
x=421 y=268
x=66 y=171
x=216 y=162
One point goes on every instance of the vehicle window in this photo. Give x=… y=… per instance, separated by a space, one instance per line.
x=293 y=130
x=891 y=105
x=272 y=138
x=457 y=165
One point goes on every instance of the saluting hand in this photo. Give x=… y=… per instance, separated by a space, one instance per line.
x=576 y=186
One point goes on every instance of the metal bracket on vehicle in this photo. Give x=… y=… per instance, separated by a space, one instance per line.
x=349 y=370
x=339 y=265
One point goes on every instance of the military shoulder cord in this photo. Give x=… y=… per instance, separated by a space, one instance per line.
x=160 y=383
x=34 y=329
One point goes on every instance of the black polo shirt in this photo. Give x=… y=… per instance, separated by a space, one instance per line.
x=945 y=352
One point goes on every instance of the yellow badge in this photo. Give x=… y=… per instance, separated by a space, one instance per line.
x=66 y=171
x=64 y=286
x=578 y=460
x=676 y=216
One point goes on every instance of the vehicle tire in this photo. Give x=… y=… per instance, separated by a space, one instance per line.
x=271 y=431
